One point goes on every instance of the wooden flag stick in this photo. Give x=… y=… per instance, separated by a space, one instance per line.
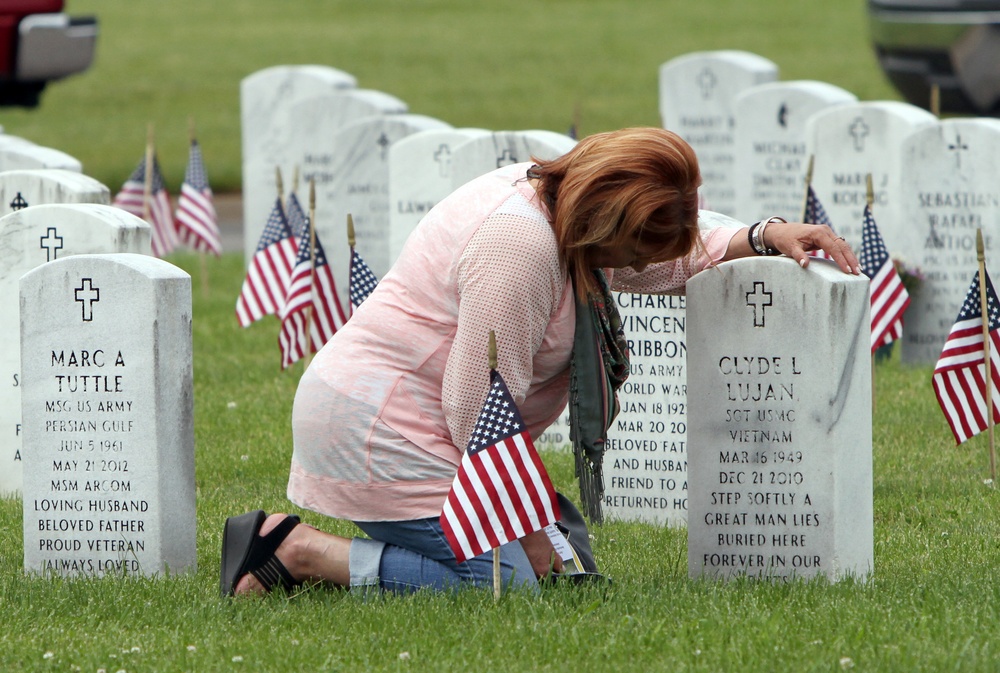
x=936 y=100
x=312 y=270
x=492 y=354
x=350 y=231
x=870 y=199
x=809 y=179
x=280 y=184
x=147 y=188
x=983 y=307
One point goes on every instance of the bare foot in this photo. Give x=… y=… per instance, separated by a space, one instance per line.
x=248 y=584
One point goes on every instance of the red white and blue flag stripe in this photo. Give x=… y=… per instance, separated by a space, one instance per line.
x=270 y=271
x=132 y=198
x=889 y=298
x=197 y=222
x=311 y=304
x=501 y=491
x=960 y=374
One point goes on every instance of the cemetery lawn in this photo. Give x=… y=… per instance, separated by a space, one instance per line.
x=521 y=64
x=932 y=603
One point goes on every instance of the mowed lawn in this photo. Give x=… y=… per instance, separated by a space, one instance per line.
x=932 y=602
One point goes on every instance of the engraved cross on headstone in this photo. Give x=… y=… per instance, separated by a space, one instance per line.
x=859 y=131
x=50 y=243
x=384 y=142
x=18 y=203
x=758 y=298
x=706 y=82
x=958 y=147
x=90 y=295
x=443 y=159
x=506 y=159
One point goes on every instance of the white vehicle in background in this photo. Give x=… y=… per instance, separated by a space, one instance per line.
x=40 y=44
x=953 y=45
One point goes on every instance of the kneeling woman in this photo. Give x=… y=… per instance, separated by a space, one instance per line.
x=383 y=413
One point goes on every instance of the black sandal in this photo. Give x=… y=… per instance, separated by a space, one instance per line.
x=244 y=551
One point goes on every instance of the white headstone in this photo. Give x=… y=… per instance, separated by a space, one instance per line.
x=645 y=467
x=266 y=100
x=697 y=91
x=30 y=238
x=309 y=152
x=356 y=182
x=33 y=187
x=502 y=148
x=779 y=432
x=850 y=141
x=108 y=417
x=950 y=189
x=16 y=153
x=770 y=144
x=420 y=175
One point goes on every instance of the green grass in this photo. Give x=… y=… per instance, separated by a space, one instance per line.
x=931 y=604
x=514 y=65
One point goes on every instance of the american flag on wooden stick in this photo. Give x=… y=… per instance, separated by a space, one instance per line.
x=888 y=296
x=197 y=222
x=502 y=491
x=311 y=304
x=270 y=271
x=296 y=215
x=132 y=198
x=960 y=374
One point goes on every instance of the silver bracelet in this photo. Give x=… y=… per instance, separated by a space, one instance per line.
x=760 y=246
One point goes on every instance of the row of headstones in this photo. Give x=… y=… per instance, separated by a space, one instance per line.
x=399 y=180
x=780 y=472
x=934 y=181
x=934 y=185
x=368 y=157
x=97 y=414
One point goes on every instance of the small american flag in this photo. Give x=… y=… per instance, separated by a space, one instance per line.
x=960 y=374
x=889 y=297
x=270 y=270
x=816 y=214
x=501 y=491
x=132 y=198
x=362 y=281
x=197 y=222
x=311 y=301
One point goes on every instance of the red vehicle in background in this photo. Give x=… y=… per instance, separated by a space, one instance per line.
x=40 y=44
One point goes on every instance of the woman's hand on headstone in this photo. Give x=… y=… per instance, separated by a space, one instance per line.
x=797 y=240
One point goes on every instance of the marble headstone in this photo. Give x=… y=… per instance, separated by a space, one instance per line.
x=108 y=417
x=420 y=175
x=645 y=467
x=770 y=145
x=309 y=153
x=950 y=189
x=29 y=238
x=266 y=124
x=356 y=182
x=19 y=153
x=502 y=148
x=847 y=143
x=697 y=91
x=780 y=430
x=33 y=187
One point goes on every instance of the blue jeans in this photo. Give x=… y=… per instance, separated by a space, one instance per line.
x=404 y=556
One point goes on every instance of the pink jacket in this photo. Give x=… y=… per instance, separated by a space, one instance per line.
x=383 y=413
